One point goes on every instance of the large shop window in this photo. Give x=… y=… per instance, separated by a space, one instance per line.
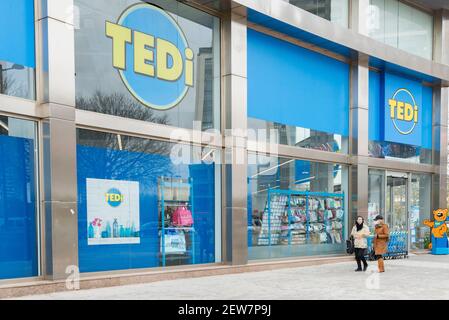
x=401 y=26
x=400 y=118
x=17 y=48
x=18 y=204
x=145 y=203
x=296 y=96
x=295 y=207
x=333 y=10
x=156 y=61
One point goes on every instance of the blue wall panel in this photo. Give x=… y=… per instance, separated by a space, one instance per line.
x=18 y=239
x=295 y=86
x=375 y=123
x=427 y=103
x=17 y=32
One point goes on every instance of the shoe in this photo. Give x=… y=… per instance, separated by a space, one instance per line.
x=365 y=267
x=357 y=270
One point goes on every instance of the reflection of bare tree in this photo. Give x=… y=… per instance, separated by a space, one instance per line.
x=9 y=86
x=118 y=104
x=119 y=164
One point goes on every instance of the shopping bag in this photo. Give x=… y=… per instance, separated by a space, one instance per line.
x=182 y=217
x=350 y=246
x=175 y=243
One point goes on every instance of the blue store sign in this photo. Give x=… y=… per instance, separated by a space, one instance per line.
x=152 y=56
x=402 y=110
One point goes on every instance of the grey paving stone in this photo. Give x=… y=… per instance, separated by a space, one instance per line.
x=419 y=277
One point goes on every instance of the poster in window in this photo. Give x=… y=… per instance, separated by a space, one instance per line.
x=113 y=212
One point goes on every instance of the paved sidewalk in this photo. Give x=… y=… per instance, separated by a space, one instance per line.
x=419 y=277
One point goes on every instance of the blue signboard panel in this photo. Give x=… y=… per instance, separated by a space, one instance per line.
x=294 y=86
x=403 y=110
x=17 y=32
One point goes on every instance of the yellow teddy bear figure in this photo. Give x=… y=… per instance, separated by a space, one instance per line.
x=440 y=244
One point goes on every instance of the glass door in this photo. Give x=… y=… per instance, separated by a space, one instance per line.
x=397 y=202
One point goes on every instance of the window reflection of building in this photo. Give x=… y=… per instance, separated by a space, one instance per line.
x=204 y=110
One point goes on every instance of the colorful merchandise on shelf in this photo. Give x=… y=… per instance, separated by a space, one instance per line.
x=294 y=217
x=177 y=232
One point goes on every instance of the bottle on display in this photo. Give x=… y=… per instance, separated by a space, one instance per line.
x=91 y=231
x=115 y=229
x=108 y=230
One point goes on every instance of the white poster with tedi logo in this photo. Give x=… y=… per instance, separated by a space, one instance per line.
x=113 y=212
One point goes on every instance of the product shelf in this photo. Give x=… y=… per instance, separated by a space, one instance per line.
x=164 y=204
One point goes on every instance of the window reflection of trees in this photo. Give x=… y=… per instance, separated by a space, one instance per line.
x=123 y=164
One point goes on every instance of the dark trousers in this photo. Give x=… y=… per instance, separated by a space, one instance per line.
x=360 y=257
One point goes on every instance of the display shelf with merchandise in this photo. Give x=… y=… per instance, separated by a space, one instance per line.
x=177 y=238
x=302 y=217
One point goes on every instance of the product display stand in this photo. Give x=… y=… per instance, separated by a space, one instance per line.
x=172 y=195
x=302 y=217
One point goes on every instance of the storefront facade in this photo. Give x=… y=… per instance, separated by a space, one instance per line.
x=148 y=135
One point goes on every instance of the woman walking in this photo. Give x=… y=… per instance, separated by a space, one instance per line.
x=360 y=232
x=381 y=237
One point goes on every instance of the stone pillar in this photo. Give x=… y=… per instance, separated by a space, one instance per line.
x=359 y=136
x=56 y=97
x=440 y=112
x=234 y=79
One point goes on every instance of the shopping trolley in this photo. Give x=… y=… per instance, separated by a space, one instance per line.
x=397 y=247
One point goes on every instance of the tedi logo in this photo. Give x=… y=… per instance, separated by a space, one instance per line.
x=114 y=197
x=403 y=111
x=152 y=56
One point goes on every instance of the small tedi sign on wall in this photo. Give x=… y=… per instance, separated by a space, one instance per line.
x=113 y=212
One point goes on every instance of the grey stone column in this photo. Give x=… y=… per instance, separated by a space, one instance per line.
x=359 y=20
x=56 y=96
x=440 y=112
x=234 y=80
x=359 y=136
x=359 y=118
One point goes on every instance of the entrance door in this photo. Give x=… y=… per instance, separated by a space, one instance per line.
x=396 y=202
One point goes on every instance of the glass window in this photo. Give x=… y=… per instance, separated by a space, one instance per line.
x=18 y=203
x=420 y=210
x=17 y=48
x=401 y=26
x=295 y=207
x=332 y=10
x=146 y=203
x=174 y=82
x=376 y=195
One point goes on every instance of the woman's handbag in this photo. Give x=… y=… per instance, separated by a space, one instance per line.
x=182 y=217
x=350 y=245
x=372 y=255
